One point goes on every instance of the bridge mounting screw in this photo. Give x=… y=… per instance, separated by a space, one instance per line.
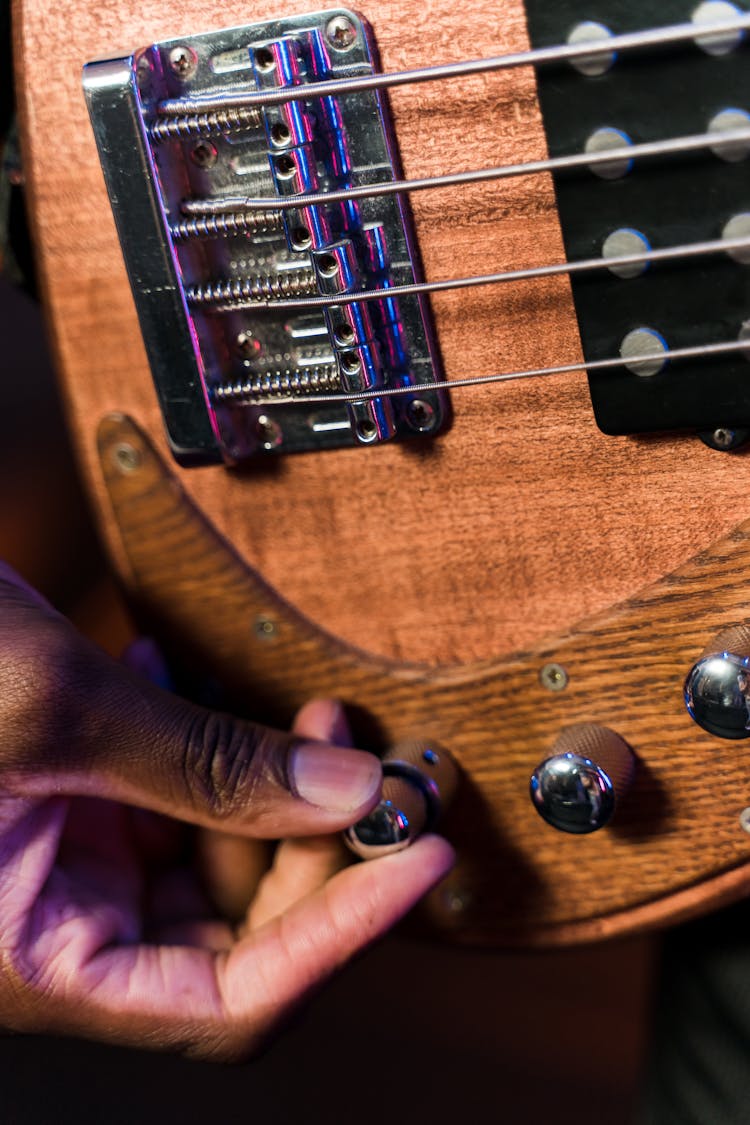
x=183 y=62
x=341 y=33
x=420 y=415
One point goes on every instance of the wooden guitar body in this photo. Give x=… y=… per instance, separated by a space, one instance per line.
x=428 y=584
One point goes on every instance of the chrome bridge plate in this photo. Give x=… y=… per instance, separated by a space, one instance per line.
x=232 y=370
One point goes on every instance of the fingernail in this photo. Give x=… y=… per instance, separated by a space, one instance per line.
x=334 y=778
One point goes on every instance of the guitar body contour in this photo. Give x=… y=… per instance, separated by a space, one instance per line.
x=520 y=537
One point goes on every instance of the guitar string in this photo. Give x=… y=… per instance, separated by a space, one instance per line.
x=671 y=146
x=540 y=56
x=202 y=294
x=668 y=146
x=655 y=37
x=698 y=351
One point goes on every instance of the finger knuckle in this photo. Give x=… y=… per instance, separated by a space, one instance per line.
x=221 y=763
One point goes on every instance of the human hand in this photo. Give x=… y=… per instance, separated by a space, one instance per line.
x=99 y=935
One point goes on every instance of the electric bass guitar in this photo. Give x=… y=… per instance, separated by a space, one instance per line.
x=405 y=353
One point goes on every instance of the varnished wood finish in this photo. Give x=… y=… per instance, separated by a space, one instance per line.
x=520 y=520
x=676 y=845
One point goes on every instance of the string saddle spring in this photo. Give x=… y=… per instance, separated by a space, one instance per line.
x=188 y=126
x=316 y=379
x=221 y=225
x=264 y=287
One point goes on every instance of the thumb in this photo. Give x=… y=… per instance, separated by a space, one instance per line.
x=75 y=721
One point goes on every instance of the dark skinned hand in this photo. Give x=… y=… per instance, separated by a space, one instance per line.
x=100 y=936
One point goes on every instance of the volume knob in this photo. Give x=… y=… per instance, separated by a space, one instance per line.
x=717 y=688
x=418 y=782
x=577 y=788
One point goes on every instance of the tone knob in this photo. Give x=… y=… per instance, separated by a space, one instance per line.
x=577 y=788
x=717 y=689
x=419 y=779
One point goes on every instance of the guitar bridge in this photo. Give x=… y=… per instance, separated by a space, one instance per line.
x=245 y=305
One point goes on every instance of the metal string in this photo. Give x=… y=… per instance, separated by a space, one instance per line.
x=681 y=252
x=669 y=146
x=726 y=347
x=568 y=52
x=663 y=36
x=207 y=209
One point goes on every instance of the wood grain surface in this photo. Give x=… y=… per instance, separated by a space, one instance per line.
x=518 y=522
x=522 y=518
x=518 y=881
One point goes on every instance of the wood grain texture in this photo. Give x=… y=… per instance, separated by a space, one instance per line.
x=675 y=846
x=520 y=520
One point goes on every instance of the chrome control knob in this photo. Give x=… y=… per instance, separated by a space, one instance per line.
x=577 y=788
x=717 y=688
x=419 y=779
